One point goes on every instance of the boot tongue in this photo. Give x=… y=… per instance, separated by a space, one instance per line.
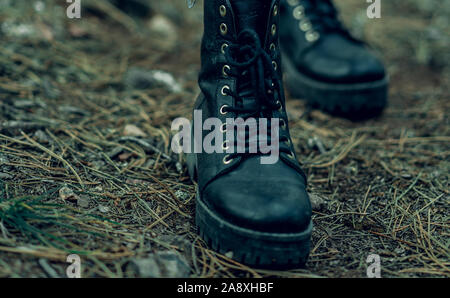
x=252 y=14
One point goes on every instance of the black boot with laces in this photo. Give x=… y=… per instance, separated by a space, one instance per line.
x=260 y=214
x=327 y=66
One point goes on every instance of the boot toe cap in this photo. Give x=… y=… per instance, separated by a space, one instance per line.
x=337 y=60
x=265 y=201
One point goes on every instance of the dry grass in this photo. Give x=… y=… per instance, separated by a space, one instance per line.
x=64 y=107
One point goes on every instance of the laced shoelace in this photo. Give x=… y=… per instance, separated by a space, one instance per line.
x=256 y=79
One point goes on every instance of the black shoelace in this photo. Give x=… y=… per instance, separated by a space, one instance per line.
x=257 y=80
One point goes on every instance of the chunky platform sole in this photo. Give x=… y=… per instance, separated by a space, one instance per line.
x=250 y=247
x=357 y=101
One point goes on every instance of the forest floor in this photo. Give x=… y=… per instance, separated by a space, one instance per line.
x=86 y=166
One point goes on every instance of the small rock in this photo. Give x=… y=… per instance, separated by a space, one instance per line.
x=137 y=78
x=162 y=27
x=351 y=170
x=180 y=243
x=16 y=30
x=159 y=24
x=5 y=176
x=317 y=202
x=131 y=246
x=435 y=174
x=166 y=264
x=136 y=182
x=98 y=164
x=65 y=109
x=98 y=188
x=3 y=159
x=144 y=268
x=103 y=209
x=83 y=201
x=133 y=130
x=173 y=265
x=229 y=254
x=39 y=6
x=77 y=31
x=125 y=156
x=41 y=136
x=65 y=193
x=182 y=195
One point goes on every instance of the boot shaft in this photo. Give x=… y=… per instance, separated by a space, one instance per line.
x=223 y=21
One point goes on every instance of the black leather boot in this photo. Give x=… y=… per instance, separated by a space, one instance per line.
x=260 y=213
x=325 y=65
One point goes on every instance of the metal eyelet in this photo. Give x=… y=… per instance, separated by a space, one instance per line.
x=280 y=109
x=312 y=36
x=272 y=47
x=275 y=10
x=299 y=12
x=223 y=29
x=223 y=11
x=222 y=49
x=225 y=145
x=226 y=87
x=275 y=65
x=223 y=128
x=227 y=160
x=225 y=70
x=282 y=123
x=222 y=109
x=293 y=2
x=305 y=25
x=274 y=29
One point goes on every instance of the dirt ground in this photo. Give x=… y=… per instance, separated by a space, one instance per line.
x=86 y=166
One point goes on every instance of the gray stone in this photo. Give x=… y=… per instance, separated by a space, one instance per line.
x=317 y=202
x=83 y=201
x=161 y=264
x=5 y=176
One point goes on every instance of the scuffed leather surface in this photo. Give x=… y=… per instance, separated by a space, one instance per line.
x=270 y=200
